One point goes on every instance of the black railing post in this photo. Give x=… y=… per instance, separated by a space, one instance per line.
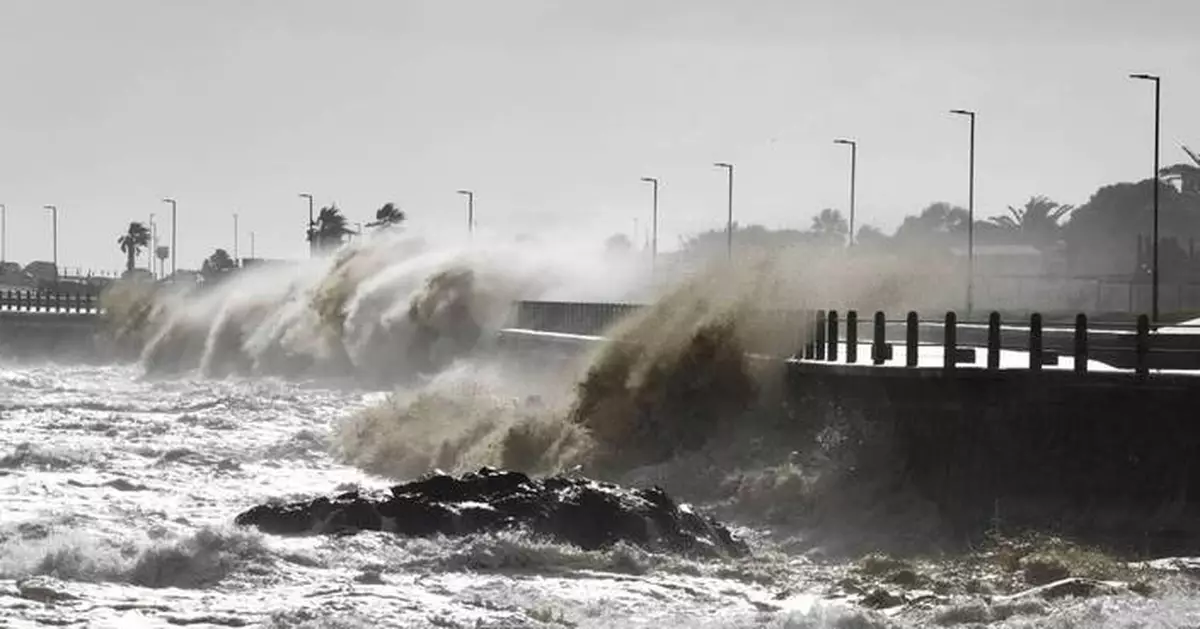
x=993 y=341
x=833 y=336
x=1035 y=342
x=912 y=339
x=879 y=345
x=819 y=332
x=1143 y=345
x=1081 y=343
x=852 y=337
x=950 y=341
x=807 y=326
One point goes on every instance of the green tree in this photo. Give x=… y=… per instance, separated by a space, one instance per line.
x=387 y=216
x=217 y=265
x=136 y=238
x=870 y=236
x=331 y=228
x=1038 y=223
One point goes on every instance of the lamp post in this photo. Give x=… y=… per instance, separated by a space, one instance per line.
x=174 y=234
x=312 y=224
x=1154 y=263
x=970 y=215
x=853 y=175
x=654 y=224
x=54 y=221
x=3 y=234
x=252 y=256
x=470 y=210
x=153 y=246
x=729 y=218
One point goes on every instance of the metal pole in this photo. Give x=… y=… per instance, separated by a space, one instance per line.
x=654 y=223
x=235 y=239
x=3 y=233
x=174 y=234
x=970 y=217
x=729 y=218
x=1154 y=183
x=470 y=210
x=853 y=180
x=311 y=233
x=54 y=230
x=153 y=247
x=252 y=256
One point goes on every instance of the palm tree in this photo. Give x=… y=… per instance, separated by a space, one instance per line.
x=830 y=226
x=132 y=242
x=1038 y=223
x=387 y=216
x=331 y=228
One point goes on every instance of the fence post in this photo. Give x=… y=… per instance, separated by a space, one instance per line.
x=1081 y=343
x=1035 y=342
x=807 y=326
x=993 y=341
x=819 y=333
x=833 y=336
x=1143 y=345
x=852 y=337
x=878 y=348
x=950 y=341
x=912 y=339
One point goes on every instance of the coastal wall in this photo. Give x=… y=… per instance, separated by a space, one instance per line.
x=31 y=335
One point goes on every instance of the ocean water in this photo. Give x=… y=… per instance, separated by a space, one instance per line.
x=118 y=491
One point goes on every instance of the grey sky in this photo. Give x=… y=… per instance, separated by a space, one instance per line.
x=551 y=111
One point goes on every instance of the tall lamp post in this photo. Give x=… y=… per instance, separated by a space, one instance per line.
x=174 y=234
x=853 y=175
x=235 y=240
x=153 y=247
x=1154 y=263
x=970 y=215
x=54 y=221
x=729 y=207
x=470 y=210
x=312 y=224
x=654 y=224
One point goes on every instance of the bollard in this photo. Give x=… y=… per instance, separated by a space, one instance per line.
x=1081 y=343
x=912 y=339
x=1143 y=346
x=1035 y=342
x=879 y=345
x=993 y=341
x=819 y=335
x=852 y=337
x=949 y=341
x=833 y=336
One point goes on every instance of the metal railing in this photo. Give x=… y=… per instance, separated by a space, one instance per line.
x=40 y=301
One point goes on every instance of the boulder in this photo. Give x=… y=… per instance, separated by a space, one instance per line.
x=573 y=510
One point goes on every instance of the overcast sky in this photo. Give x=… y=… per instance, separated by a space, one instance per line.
x=551 y=111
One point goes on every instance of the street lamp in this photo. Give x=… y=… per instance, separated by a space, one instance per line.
x=252 y=256
x=470 y=210
x=312 y=224
x=174 y=234
x=54 y=218
x=3 y=234
x=235 y=240
x=729 y=218
x=654 y=225
x=853 y=174
x=153 y=246
x=1154 y=179
x=970 y=216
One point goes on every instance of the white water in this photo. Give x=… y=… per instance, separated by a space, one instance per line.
x=117 y=495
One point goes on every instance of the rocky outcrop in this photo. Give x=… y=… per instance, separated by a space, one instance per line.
x=573 y=510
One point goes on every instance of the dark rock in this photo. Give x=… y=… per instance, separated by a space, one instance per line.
x=579 y=511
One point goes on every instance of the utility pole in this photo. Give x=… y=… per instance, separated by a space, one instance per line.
x=252 y=257
x=729 y=217
x=236 y=259
x=153 y=253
